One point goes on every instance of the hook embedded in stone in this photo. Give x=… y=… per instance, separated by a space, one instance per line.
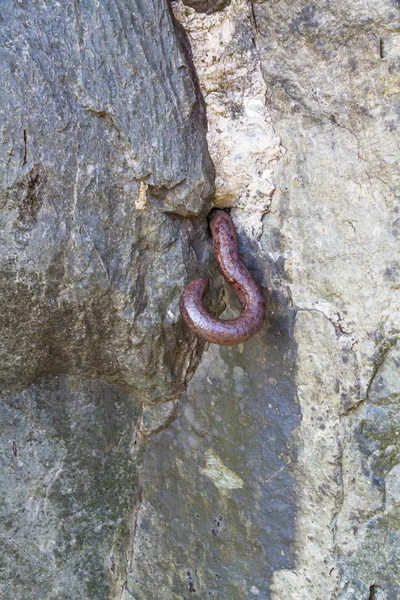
x=199 y=320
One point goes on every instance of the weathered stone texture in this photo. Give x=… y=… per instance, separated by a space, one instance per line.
x=86 y=135
x=102 y=153
x=68 y=489
x=331 y=82
x=277 y=475
x=241 y=136
x=218 y=511
x=332 y=76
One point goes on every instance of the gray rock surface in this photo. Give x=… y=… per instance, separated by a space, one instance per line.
x=332 y=73
x=68 y=488
x=98 y=145
x=217 y=516
x=330 y=76
x=102 y=153
x=276 y=475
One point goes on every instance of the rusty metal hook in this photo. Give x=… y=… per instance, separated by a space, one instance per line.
x=198 y=319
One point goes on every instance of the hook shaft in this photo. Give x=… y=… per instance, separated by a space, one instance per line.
x=202 y=323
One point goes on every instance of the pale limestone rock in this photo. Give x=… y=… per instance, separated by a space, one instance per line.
x=392 y=484
x=330 y=94
x=336 y=210
x=242 y=140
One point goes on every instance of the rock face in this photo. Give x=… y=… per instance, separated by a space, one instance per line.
x=310 y=92
x=103 y=152
x=332 y=72
x=94 y=161
x=219 y=504
x=69 y=484
x=277 y=474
